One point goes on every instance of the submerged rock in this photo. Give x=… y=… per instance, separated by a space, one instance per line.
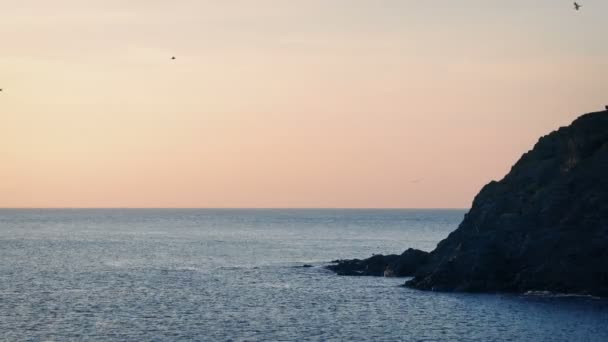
x=543 y=227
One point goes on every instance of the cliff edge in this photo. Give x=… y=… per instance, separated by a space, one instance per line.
x=544 y=226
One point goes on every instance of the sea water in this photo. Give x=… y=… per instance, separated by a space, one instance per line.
x=236 y=275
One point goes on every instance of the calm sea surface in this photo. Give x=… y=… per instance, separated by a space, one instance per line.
x=215 y=275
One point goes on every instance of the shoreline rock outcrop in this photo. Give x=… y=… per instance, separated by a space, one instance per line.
x=404 y=265
x=543 y=227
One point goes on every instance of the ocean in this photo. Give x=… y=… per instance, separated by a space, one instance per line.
x=236 y=275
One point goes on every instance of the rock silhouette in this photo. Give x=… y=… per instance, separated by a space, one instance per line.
x=403 y=265
x=543 y=227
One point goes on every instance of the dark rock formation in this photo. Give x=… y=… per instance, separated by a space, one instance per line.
x=543 y=227
x=403 y=265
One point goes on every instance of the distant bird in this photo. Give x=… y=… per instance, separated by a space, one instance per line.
x=416 y=180
x=577 y=6
x=173 y=58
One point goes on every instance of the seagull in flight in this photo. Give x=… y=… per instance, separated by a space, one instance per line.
x=577 y=6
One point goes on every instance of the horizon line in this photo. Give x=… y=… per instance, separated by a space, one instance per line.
x=229 y=208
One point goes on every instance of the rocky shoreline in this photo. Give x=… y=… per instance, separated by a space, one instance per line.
x=543 y=227
x=404 y=265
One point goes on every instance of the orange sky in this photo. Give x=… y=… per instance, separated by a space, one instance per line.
x=359 y=103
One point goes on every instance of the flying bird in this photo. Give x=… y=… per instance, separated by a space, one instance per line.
x=173 y=58
x=577 y=6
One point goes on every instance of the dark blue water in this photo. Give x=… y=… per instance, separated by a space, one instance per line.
x=165 y=275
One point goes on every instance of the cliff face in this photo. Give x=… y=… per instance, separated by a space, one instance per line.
x=543 y=227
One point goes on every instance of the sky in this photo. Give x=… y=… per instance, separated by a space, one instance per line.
x=274 y=103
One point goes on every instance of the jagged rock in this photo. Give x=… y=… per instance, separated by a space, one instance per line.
x=403 y=265
x=409 y=261
x=543 y=227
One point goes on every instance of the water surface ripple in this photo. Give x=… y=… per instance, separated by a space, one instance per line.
x=215 y=275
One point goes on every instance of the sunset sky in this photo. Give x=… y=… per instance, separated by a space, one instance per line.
x=276 y=103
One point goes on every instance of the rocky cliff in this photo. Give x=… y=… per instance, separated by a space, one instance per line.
x=543 y=227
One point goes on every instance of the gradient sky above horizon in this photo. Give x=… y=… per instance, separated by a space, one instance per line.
x=272 y=103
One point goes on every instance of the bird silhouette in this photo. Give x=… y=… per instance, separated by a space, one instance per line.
x=173 y=58
x=577 y=6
